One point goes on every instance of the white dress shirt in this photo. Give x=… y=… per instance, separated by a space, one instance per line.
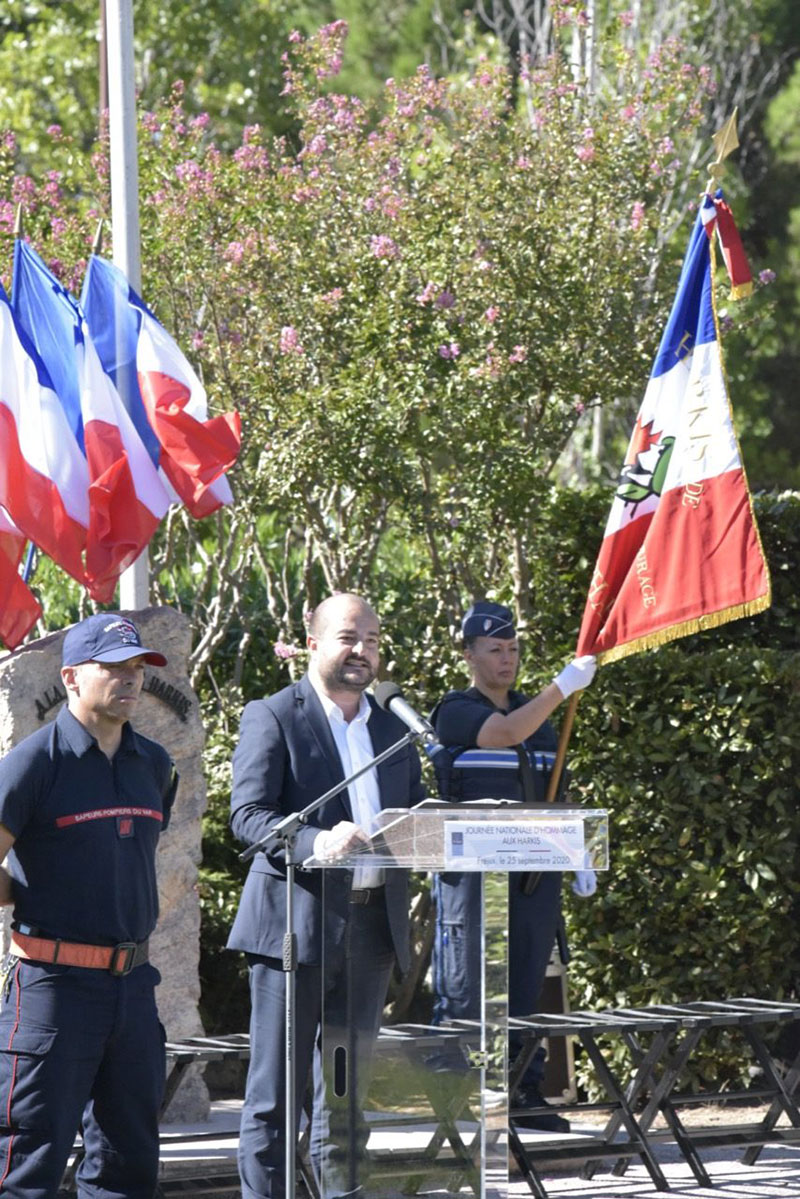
x=355 y=749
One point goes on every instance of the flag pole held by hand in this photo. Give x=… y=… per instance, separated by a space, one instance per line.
x=563 y=742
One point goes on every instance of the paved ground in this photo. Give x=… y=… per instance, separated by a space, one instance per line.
x=776 y=1175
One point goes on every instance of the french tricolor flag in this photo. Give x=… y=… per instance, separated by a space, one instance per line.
x=123 y=495
x=681 y=550
x=19 y=608
x=126 y=496
x=161 y=391
x=44 y=477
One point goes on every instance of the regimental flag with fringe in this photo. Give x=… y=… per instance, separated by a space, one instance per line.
x=681 y=550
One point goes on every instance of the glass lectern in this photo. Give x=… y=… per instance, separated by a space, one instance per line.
x=414 y=1109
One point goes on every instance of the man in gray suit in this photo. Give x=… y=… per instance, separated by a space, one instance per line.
x=293 y=747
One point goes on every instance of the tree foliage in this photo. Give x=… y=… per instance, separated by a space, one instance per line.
x=416 y=302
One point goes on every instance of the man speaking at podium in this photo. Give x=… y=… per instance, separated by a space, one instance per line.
x=499 y=744
x=293 y=747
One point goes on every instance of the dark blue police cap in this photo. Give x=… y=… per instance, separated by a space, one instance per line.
x=487 y=619
x=106 y=637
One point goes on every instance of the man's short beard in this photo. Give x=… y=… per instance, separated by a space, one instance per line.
x=334 y=679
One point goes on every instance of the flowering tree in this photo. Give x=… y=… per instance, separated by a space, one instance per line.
x=413 y=311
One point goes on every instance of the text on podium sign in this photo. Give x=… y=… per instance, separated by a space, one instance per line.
x=552 y=843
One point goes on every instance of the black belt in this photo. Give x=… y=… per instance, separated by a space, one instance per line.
x=364 y=895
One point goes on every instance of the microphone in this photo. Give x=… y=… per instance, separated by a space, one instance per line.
x=389 y=697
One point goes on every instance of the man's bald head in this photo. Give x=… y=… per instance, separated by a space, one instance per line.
x=333 y=607
x=344 y=640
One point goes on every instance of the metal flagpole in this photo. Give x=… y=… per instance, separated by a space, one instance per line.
x=134 y=582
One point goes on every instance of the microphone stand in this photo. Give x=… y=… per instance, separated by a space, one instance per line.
x=284 y=834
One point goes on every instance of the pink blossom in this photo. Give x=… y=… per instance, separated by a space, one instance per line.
x=626 y=19
x=332 y=297
x=427 y=294
x=637 y=215
x=251 y=158
x=285 y=651
x=234 y=252
x=450 y=350
x=518 y=354
x=491 y=314
x=9 y=141
x=628 y=112
x=303 y=195
x=295 y=36
x=150 y=122
x=767 y=276
x=54 y=131
x=445 y=299
x=317 y=145
x=178 y=87
x=579 y=407
x=289 y=341
x=250 y=134
x=200 y=121
x=197 y=339
x=383 y=246
x=586 y=153
x=58 y=225
x=187 y=170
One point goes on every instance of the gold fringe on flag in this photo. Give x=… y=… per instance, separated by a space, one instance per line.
x=697 y=624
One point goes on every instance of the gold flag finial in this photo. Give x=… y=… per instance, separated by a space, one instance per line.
x=18 y=231
x=97 y=244
x=725 y=142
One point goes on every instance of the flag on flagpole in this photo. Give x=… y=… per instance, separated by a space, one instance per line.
x=19 y=608
x=44 y=478
x=161 y=391
x=681 y=550
x=125 y=497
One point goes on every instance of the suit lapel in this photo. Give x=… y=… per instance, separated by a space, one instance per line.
x=382 y=737
x=319 y=730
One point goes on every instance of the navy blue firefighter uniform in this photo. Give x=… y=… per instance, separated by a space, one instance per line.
x=82 y=1047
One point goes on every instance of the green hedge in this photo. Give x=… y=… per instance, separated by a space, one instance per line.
x=692 y=748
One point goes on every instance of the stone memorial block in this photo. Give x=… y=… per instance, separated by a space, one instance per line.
x=31 y=693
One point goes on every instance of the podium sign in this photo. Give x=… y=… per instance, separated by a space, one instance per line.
x=539 y=843
x=425 y=1109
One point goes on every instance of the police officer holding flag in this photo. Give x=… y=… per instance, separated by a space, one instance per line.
x=499 y=745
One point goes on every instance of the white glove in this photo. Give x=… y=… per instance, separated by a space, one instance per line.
x=577 y=675
x=584 y=883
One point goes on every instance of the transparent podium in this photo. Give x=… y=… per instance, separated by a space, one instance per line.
x=413 y=1109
